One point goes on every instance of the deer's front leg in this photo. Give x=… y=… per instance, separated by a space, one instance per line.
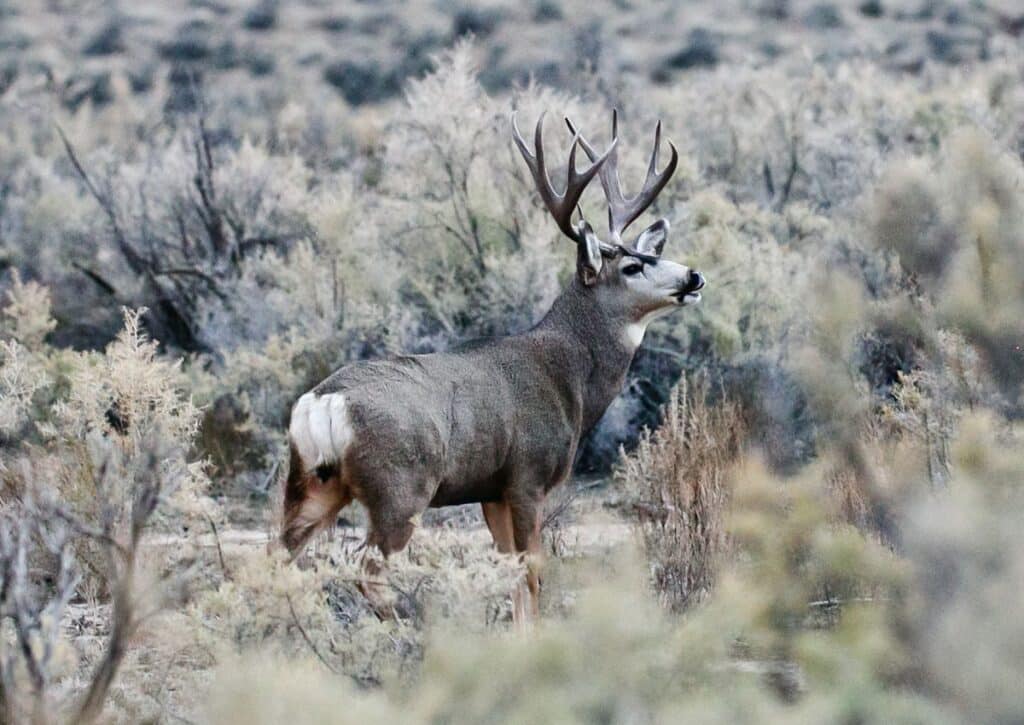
x=526 y=520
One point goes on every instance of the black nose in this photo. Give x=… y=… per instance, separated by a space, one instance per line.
x=695 y=281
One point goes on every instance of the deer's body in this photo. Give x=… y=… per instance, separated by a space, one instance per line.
x=495 y=422
x=490 y=418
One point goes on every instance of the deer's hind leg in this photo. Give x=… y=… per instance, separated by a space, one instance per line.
x=312 y=501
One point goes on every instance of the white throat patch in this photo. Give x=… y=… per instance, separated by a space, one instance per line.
x=633 y=333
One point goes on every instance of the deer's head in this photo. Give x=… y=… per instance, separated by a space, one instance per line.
x=630 y=280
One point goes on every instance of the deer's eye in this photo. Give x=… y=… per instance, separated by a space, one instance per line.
x=631 y=269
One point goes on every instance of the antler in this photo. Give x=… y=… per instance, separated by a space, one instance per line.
x=622 y=211
x=560 y=205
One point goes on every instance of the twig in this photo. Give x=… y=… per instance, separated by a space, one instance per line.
x=95 y=277
x=192 y=272
x=220 y=551
x=269 y=480
x=839 y=602
x=559 y=509
x=91 y=532
x=79 y=169
x=122 y=629
x=302 y=631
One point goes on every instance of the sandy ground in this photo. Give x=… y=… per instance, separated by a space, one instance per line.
x=575 y=538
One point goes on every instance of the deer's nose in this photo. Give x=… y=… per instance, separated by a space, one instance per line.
x=695 y=281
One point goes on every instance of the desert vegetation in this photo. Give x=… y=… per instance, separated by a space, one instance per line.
x=804 y=507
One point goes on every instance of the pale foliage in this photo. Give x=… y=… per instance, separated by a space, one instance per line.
x=20 y=378
x=116 y=404
x=26 y=315
x=467 y=232
x=26 y=321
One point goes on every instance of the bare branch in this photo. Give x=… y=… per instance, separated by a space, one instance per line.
x=220 y=551
x=132 y=257
x=305 y=636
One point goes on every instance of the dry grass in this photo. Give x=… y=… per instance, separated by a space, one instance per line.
x=679 y=480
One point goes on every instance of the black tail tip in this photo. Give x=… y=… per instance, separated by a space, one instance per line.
x=326 y=471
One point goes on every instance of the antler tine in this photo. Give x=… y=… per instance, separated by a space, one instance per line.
x=622 y=211
x=655 y=182
x=559 y=205
x=609 y=172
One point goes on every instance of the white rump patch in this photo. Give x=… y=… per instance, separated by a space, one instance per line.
x=320 y=429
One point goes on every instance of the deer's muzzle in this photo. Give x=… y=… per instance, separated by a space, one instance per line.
x=689 y=290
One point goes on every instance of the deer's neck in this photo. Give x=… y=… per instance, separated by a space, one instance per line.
x=598 y=346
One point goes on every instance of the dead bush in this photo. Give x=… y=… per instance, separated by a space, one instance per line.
x=678 y=480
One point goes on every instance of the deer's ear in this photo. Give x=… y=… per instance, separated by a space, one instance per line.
x=588 y=256
x=652 y=239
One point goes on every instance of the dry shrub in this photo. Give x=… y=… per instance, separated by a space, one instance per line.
x=806 y=596
x=678 y=477
x=966 y=547
x=102 y=459
x=618 y=659
x=849 y=497
x=444 y=577
x=53 y=552
x=20 y=378
x=967 y=260
x=118 y=407
x=25 y=321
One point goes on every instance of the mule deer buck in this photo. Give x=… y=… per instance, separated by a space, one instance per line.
x=495 y=422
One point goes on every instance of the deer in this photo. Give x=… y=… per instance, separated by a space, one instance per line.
x=497 y=421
